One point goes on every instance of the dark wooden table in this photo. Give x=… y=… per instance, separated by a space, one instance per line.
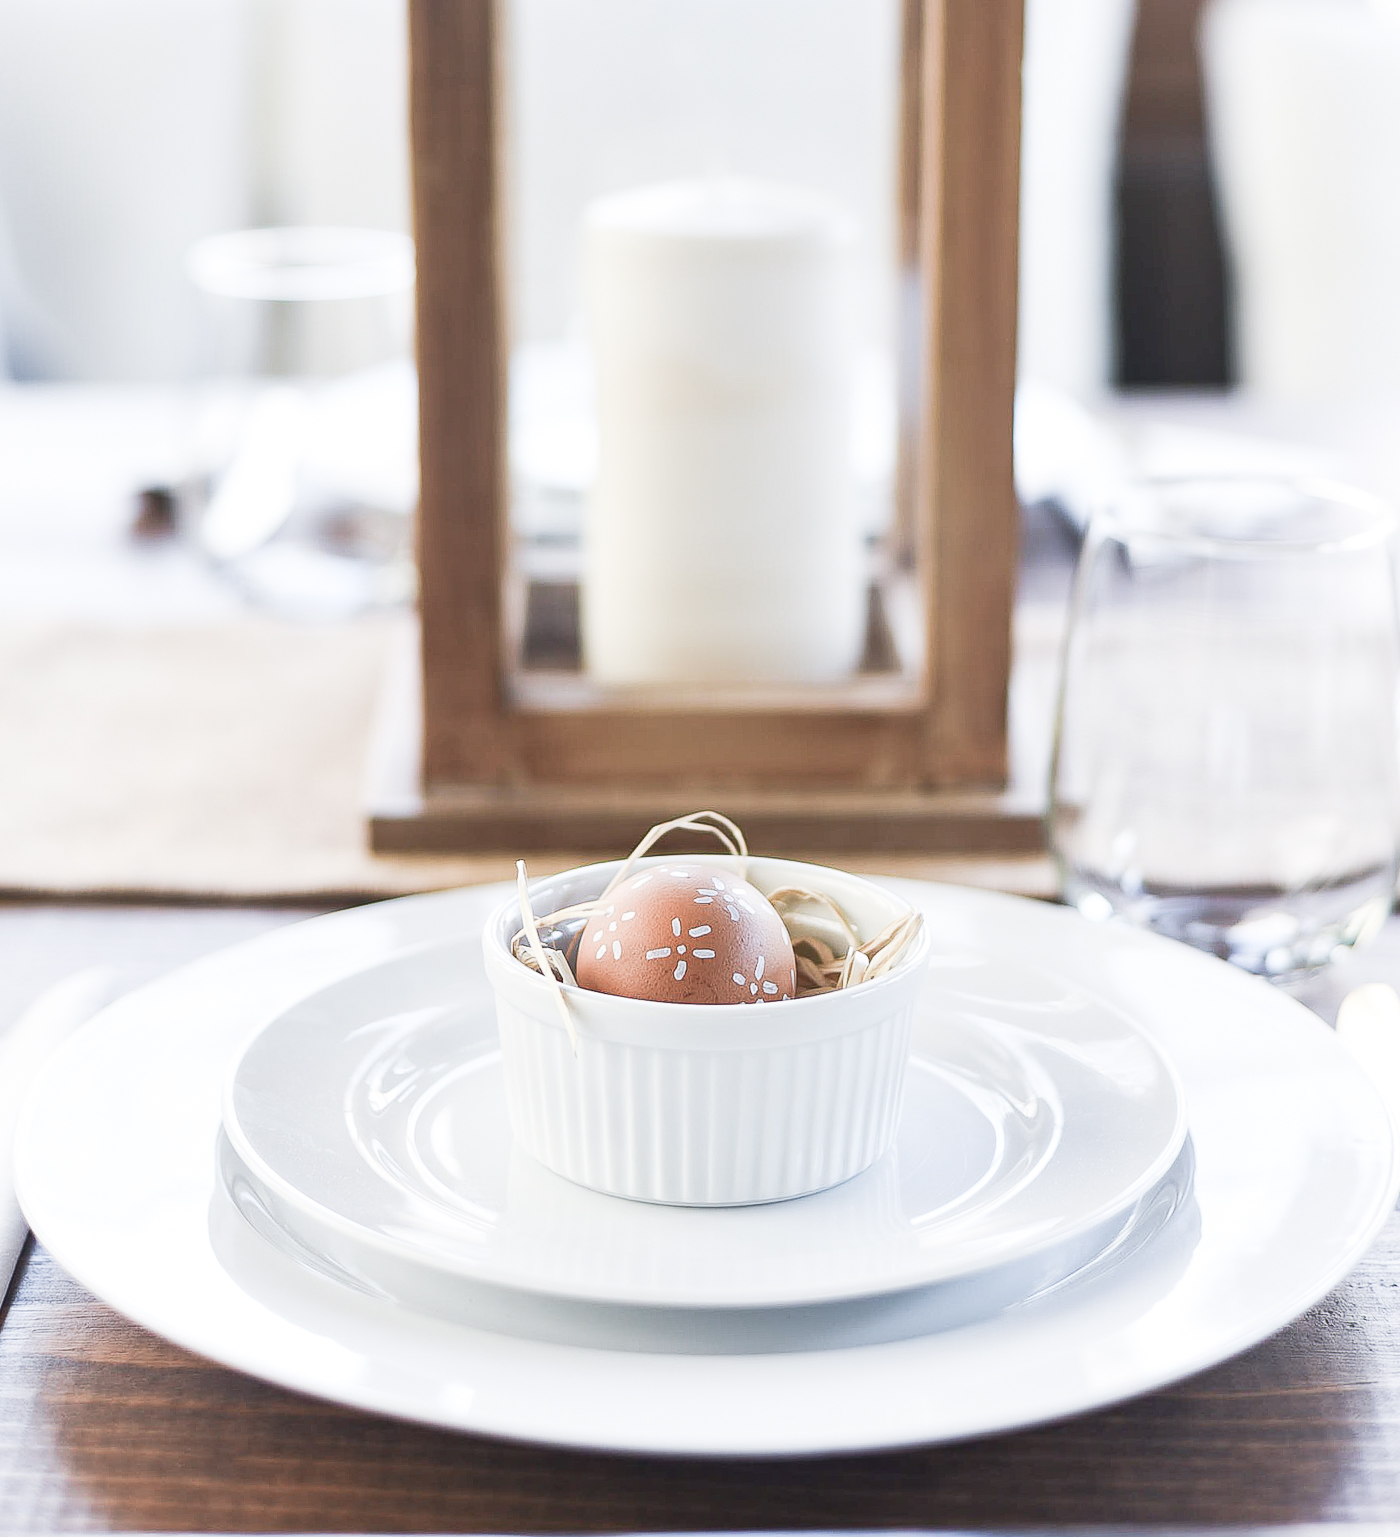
x=103 y=1425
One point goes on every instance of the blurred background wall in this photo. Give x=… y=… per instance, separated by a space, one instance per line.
x=1181 y=225
x=123 y=132
x=130 y=128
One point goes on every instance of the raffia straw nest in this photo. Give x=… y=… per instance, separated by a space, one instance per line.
x=830 y=954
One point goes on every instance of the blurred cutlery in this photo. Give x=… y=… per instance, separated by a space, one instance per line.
x=258 y=491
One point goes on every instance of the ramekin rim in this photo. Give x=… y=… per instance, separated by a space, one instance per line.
x=772 y=1008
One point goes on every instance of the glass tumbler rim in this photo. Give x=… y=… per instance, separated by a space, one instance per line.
x=1138 y=512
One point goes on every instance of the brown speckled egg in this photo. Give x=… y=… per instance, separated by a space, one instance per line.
x=685 y=932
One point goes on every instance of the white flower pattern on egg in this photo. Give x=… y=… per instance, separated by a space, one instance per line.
x=746 y=956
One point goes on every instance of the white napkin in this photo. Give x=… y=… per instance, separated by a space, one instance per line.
x=1368 y=1025
x=48 y=1021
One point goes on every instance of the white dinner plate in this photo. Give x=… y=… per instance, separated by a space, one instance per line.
x=1295 y=1174
x=369 y=1122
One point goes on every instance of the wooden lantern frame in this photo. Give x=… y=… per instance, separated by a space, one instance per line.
x=810 y=769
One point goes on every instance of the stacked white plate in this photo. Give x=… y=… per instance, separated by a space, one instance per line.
x=1118 y=1161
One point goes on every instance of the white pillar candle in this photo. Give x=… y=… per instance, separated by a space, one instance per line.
x=722 y=542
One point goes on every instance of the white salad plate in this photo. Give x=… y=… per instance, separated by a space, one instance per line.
x=1295 y=1171
x=368 y=1122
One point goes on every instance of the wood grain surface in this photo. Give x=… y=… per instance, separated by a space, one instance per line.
x=103 y=1425
x=533 y=818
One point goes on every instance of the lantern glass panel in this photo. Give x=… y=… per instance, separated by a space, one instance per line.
x=703 y=235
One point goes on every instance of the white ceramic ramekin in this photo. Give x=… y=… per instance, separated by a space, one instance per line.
x=706 y=1104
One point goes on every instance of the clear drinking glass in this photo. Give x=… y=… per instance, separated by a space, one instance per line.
x=311 y=508
x=1225 y=763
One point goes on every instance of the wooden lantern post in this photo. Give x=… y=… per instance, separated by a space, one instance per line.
x=815 y=769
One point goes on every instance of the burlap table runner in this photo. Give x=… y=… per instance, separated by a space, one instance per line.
x=226 y=762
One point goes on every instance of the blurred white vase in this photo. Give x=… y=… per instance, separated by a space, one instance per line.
x=1303 y=107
